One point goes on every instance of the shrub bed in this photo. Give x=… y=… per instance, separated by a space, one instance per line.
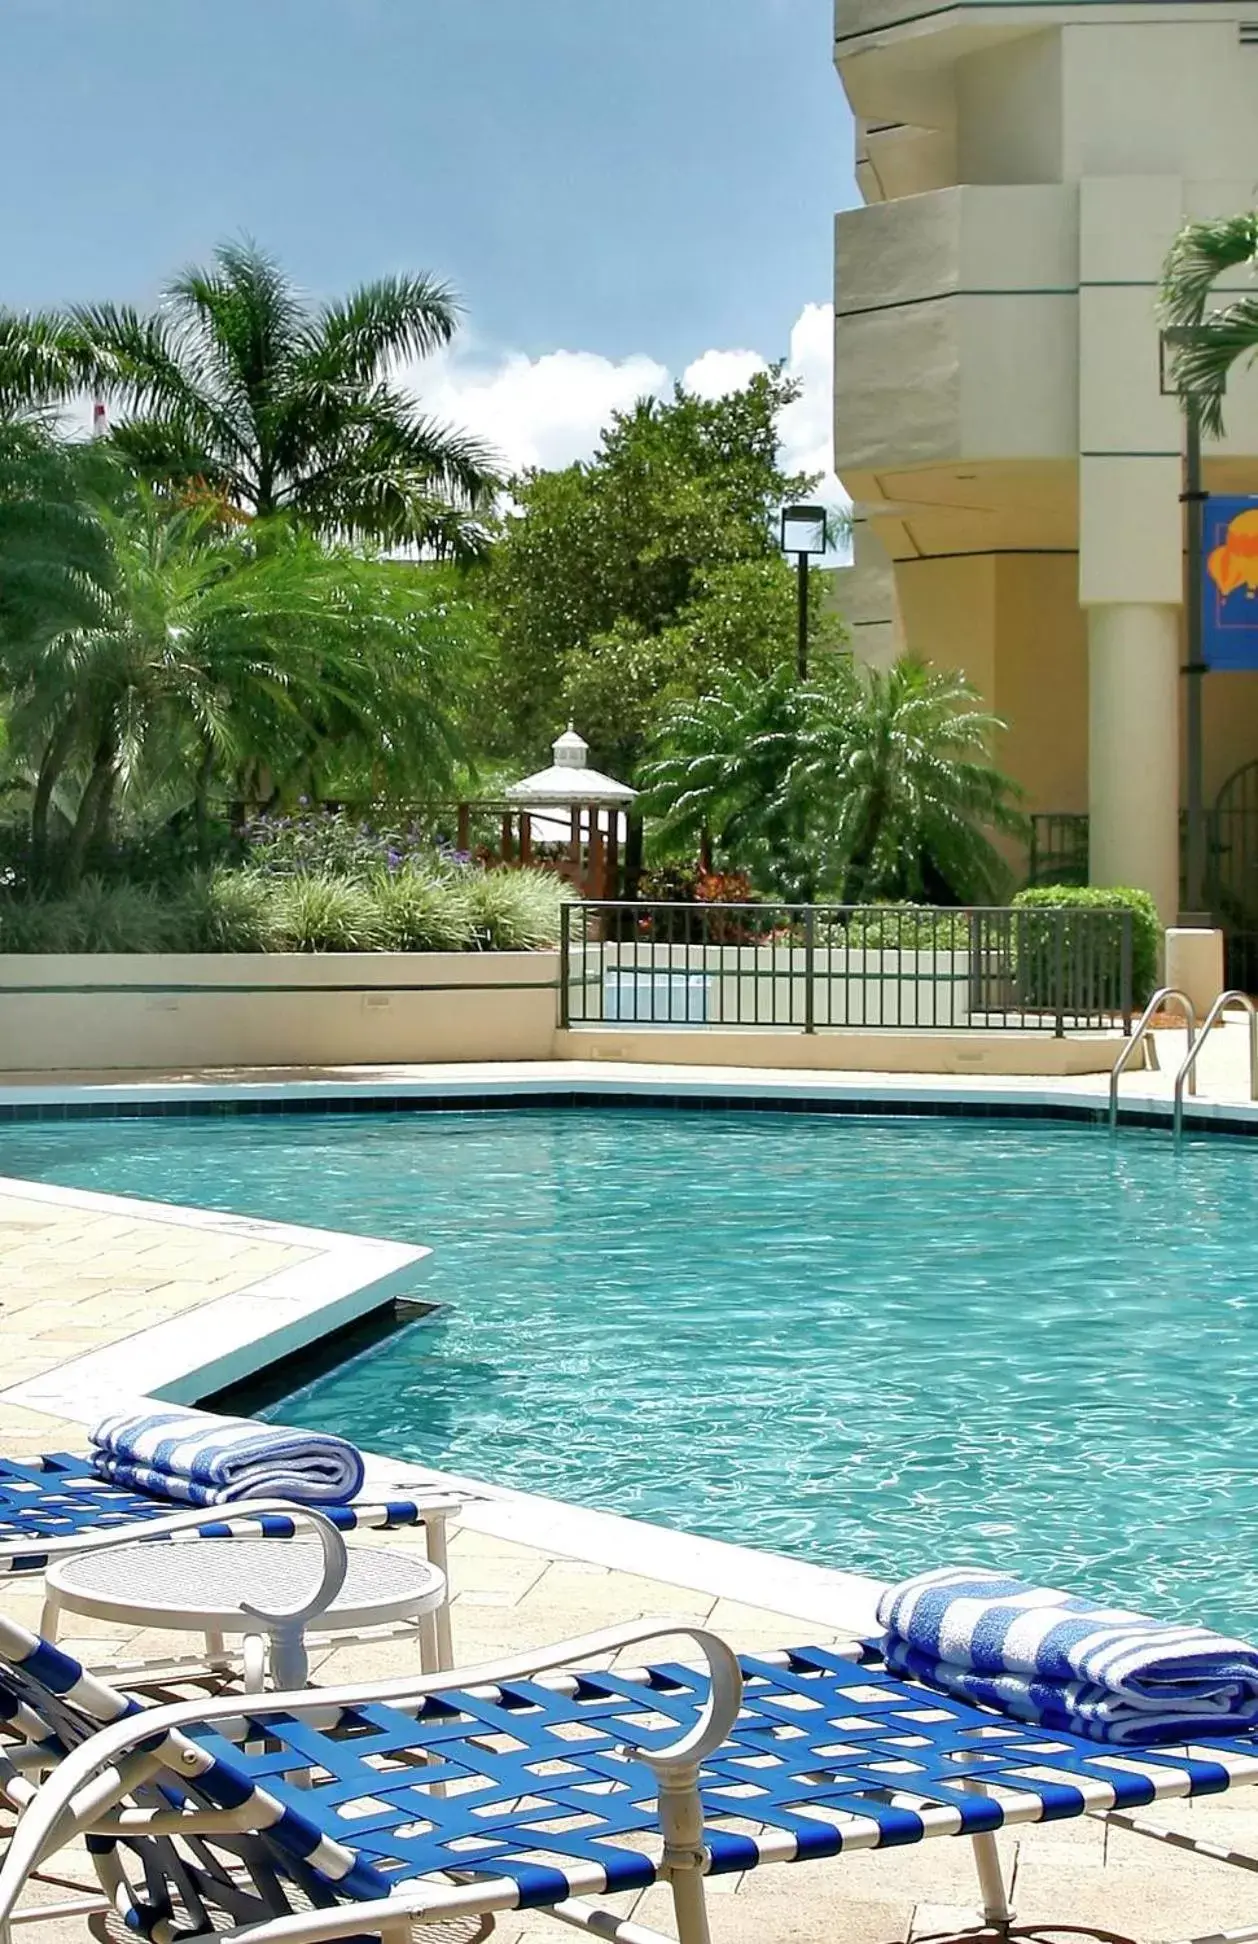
x=411 y=909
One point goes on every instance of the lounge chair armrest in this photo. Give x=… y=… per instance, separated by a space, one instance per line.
x=720 y=1710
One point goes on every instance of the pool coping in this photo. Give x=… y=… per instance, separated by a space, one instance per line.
x=573 y=1083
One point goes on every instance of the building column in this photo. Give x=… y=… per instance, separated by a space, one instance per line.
x=1133 y=748
x=1131 y=537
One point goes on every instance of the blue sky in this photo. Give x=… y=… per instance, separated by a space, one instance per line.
x=633 y=183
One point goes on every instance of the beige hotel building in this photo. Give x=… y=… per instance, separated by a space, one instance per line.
x=999 y=422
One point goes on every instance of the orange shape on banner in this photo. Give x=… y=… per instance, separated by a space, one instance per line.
x=1235 y=563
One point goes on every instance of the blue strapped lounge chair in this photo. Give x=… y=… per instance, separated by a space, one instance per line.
x=58 y=1504
x=373 y=1810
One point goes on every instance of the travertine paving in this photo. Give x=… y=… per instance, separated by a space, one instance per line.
x=77 y=1279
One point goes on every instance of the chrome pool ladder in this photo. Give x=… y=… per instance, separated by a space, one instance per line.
x=1143 y=1026
x=1188 y=1069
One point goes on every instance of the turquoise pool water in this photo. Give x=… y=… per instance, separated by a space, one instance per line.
x=879 y=1343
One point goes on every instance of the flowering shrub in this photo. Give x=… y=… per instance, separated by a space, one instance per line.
x=691 y=885
x=724 y=887
x=342 y=845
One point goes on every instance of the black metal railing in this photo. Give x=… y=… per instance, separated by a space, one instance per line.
x=810 y=967
x=1058 y=851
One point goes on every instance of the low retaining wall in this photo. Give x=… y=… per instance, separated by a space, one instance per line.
x=174 y=1011
x=849 y=1051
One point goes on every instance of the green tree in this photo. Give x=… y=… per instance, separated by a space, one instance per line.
x=227 y=665
x=726 y=776
x=913 y=789
x=54 y=559
x=858 y=785
x=240 y=391
x=620 y=584
x=1214 y=338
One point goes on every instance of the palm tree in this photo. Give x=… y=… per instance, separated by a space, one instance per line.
x=724 y=776
x=862 y=784
x=1211 y=342
x=54 y=559
x=225 y=664
x=239 y=391
x=911 y=789
x=56 y=575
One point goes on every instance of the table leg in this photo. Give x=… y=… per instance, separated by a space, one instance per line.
x=438 y=1554
x=253 y=1655
x=50 y=1618
x=215 y=1649
x=430 y=1660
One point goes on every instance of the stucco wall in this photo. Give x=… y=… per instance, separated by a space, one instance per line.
x=235 y=1011
x=848 y=1052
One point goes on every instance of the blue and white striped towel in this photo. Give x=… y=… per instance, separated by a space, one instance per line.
x=196 y=1458
x=1067 y=1663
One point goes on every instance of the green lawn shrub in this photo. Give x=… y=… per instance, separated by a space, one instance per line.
x=1096 y=954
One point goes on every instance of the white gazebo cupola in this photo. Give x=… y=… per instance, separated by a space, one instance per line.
x=570 y=751
x=570 y=782
x=574 y=809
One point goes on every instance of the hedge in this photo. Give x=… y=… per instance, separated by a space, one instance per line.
x=1146 y=938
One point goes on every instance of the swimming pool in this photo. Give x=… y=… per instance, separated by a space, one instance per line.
x=878 y=1343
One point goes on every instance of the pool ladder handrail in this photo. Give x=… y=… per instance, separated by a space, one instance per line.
x=1143 y=1027
x=1188 y=1070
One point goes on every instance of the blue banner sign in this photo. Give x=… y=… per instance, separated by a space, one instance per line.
x=1230 y=566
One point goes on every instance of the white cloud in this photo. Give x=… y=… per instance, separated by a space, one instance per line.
x=543 y=411
x=808 y=425
x=549 y=410
x=719 y=372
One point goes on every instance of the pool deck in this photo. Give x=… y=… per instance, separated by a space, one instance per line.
x=103 y=1295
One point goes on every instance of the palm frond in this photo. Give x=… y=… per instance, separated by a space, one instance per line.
x=380 y=324
x=1212 y=337
x=1199 y=256
x=1202 y=364
x=41 y=362
x=248 y=319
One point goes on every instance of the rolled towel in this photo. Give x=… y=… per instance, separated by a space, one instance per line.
x=195 y=1458
x=1066 y=1662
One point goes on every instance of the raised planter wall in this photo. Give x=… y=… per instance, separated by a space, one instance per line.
x=174 y=1011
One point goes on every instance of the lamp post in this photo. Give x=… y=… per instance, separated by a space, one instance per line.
x=804 y=533
x=1193 y=499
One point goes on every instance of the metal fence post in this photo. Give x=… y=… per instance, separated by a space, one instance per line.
x=565 y=960
x=810 y=966
x=1126 y=996
x=1059 y=973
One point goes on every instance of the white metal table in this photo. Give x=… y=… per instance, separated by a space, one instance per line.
x=268 y=1591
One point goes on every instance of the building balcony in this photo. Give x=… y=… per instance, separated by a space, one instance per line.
x=956 y=330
